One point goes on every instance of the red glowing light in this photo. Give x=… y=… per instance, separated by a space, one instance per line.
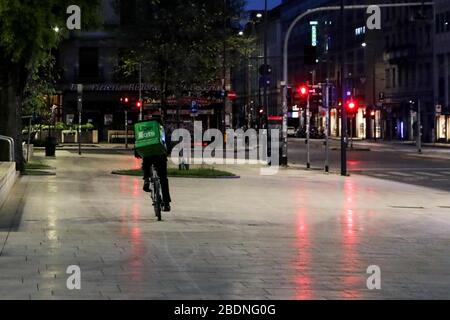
x=303 y=91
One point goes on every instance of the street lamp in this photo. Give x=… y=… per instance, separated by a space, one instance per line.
x=259 y=15
x=56 y=29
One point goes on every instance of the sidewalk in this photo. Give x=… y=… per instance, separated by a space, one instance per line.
x=295 y=235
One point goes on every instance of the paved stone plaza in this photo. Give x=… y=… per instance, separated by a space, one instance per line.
x=296 y=235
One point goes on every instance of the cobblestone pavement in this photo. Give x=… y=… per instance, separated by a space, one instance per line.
x=296 y=235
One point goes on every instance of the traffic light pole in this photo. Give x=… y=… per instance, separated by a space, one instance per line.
x=80 y=111
x=284 y=82
x=308 y=132
x=327 y=128
x=343 y=94
x=266 y=98
x=419 y=127
x=141 y=111
x=126 y=129
x=351 y=131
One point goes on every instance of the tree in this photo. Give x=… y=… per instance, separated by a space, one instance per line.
x=180 y=44
x=27 y=36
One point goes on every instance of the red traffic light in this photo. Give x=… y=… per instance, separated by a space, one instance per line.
x=351 y=106
x=139 y=104
x=372 y=114
x=303 y=90
x=232 y=95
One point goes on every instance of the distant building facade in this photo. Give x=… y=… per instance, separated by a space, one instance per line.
x=94 y=58
x=387 y=72
x=442 y=70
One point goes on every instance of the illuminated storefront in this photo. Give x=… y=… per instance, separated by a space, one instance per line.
x=442 y=128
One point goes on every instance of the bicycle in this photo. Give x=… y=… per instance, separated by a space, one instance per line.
x=156 y=193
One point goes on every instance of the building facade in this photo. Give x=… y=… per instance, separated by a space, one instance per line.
x=94 y=58
x=442 y=70
x=388 y=72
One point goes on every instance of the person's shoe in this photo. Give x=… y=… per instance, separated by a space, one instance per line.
x=167 y=208
x=147 y=186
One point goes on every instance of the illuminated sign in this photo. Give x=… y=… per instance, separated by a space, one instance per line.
x=313 y=33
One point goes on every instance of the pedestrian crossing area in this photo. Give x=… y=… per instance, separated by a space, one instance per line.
x=420 y=176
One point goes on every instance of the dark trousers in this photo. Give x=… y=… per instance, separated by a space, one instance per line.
x=160 y=163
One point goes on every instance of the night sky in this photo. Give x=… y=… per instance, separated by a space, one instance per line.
x=259 y=4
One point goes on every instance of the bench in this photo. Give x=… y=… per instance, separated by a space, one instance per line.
x=8 y=177
x=119 y=134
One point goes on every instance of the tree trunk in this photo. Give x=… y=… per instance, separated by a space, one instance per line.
x=11 y=118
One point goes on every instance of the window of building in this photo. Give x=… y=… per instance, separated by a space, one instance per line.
x=360 y=68
x=420 y=72
x=447 y=21
x=360 y=31
x=428 y=71
x=388 y=78
x=441 y=89
x=127 y=12
x=441 y=68
x=438 y=23
x=407 y=76
x=88 y=63
x=394 y=77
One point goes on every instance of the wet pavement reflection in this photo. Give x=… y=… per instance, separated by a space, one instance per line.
x=296 y=235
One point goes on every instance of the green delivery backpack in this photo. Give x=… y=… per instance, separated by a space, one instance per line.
x=150 y=139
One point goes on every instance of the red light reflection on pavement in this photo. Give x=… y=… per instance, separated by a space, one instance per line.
x=136 y=188
x=130 y=187
x=137 y=164
x=354 y=164
x=138 y=249
x=130 y=230
x=349 y=226
x=303 y=263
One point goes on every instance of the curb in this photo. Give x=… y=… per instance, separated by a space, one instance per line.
x=185 y=177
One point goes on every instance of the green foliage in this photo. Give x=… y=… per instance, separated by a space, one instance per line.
x=40 y=86
x=26 y=28
x=181 y=44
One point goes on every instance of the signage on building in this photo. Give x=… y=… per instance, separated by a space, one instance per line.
x=313 y=33
x=115 y=87
x=188 y=112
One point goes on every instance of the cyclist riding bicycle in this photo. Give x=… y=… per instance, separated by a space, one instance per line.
x=160 y=163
